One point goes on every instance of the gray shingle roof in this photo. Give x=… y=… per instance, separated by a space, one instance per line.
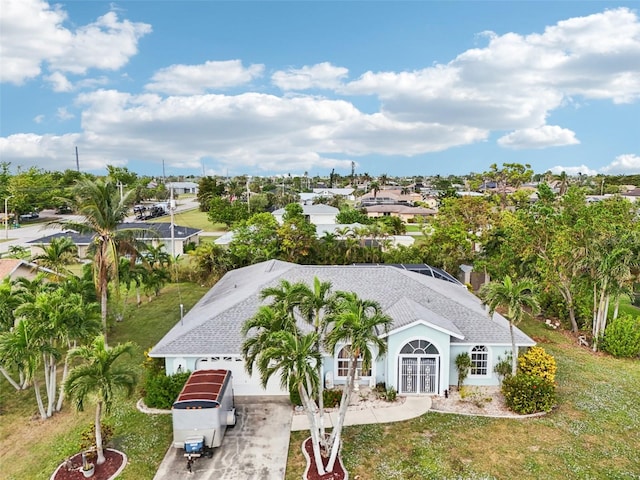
x=159 y=230
x=212 y=327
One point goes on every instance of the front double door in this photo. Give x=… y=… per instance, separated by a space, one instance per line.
x=419 y=374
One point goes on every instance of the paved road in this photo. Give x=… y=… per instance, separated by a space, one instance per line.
x=30 y=231
x=255 y=449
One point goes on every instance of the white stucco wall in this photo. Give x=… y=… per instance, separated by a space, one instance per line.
x=491 y=379
x=419 y=331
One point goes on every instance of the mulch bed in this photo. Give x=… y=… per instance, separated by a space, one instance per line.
x=339 y=472
x=72 y=469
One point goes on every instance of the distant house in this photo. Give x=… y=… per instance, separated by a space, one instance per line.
x=346 y=193
x=389 y=197
x=404 y=212
x=180 y=188
x=433 y=321
x=161 y=235
x=15 y=268
x=317 y=214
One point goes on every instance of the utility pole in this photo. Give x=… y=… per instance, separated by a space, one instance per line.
x=6 y=217
x=173 y=239
x=120 y=185
x=164 y=177
x=77 y=160
x=248 y=196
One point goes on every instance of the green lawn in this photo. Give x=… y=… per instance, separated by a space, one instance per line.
x=194 y=219
x=31 y=448
x=594 y=433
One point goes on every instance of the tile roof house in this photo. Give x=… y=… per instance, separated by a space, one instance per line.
x=319 y=214
x=181 y=237
x=404 y=212
x=433 y=321
x=15 y=268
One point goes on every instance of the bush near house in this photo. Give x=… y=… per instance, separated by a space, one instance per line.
x=160 y=390
x=525 y=393
x=622 y=337
x=537 y=362
x=330 y=397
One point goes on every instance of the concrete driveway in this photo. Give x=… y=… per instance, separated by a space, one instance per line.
x=255 y=449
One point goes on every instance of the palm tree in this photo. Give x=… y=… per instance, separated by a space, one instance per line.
x=99 y=377
x=8 y=303
x=104 y=209
x=273 y=343
x=57 y=255
x=60 y=318
x=24 y=346
x=312 y=303
x=516 y=298
x=357 y=324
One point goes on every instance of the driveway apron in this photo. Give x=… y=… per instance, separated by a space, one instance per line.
x=255 y=449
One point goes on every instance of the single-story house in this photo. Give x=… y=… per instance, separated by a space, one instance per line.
x=389 y=197
x=15 y=268
x=317 y=214
x=180 y=188
x=346 y=193
x=434 y=321
x=162 y=235
x=403 y=212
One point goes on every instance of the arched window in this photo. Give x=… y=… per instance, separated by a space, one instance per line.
x=420 y=347
x=479 y=360
x=343 y=363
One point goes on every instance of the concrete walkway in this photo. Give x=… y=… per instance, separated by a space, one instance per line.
x=412 y=407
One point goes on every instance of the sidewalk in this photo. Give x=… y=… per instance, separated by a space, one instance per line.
x=411 y=408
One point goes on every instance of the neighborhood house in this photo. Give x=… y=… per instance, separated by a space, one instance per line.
x=434 y=320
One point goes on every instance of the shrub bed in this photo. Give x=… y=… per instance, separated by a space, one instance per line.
x=527 y=394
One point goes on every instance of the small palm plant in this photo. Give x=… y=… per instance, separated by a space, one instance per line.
x=98 y=378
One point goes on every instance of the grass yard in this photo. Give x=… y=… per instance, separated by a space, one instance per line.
x=594 y=434
x=31 y=448
x=194 y=219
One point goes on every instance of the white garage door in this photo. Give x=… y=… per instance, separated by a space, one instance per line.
x=243 y=383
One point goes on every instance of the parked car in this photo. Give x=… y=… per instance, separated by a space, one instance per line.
x=29 y=216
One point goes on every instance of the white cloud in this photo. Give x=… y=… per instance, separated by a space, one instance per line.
x=26 y=45
x=59 y=82
x=196 y=79
x=64 y=114
x=244 y=132
x=38 y=118
x=322 y=75
x=581 y=169
x=624 y=164
x=543 y=137
x=515 y=81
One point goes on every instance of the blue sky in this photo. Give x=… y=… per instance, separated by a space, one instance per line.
x=259 y=88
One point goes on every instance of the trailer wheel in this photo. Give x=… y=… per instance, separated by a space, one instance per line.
x=209 y=452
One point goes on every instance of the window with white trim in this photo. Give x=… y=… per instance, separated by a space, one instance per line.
x=343 y=363
x=479 y=360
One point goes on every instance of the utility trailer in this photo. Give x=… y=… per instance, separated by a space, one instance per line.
x=202 y=412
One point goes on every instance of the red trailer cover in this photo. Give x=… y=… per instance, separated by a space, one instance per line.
x=203 y=389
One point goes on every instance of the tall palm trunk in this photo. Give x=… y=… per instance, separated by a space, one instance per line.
x=98 y=428
x=514 y=351
x=6 y=375
x=311 y=410
x=36 y=388
x=336 y=434
x=103 y=307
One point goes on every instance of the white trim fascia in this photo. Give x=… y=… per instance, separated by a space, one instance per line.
x=426 y=324
x=491 y=344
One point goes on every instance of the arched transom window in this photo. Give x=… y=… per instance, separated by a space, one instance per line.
x=479 y=360
x=343 y=363
x=419 y=347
